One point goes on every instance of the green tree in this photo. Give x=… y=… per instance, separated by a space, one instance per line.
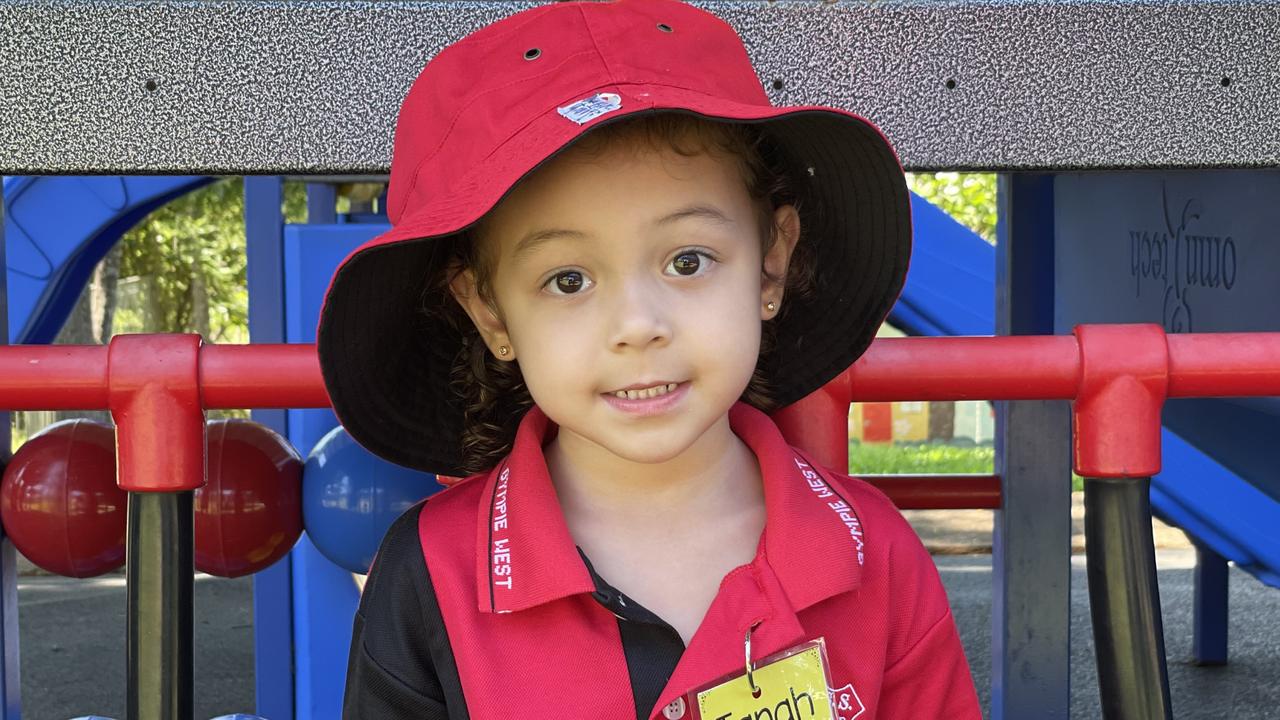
x=186 y=262
x=970 y=198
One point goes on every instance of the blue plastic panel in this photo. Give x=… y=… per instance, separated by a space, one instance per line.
x=324 y=595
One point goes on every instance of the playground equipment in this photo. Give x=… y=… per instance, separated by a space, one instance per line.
x=236 y=716
x=51 y=252
x=1217 y=482
x=350 y=496
x=964 y=85
x=248 y=514
x=63 y=510
x=60 y=504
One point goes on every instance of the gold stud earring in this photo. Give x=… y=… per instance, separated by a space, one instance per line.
x=503 y=350
x=770 y=306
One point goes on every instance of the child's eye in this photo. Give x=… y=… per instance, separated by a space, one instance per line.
x=567 y=282
x=691 y=262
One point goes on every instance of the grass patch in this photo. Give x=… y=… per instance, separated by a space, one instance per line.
x=919 y=459
x=884 y=459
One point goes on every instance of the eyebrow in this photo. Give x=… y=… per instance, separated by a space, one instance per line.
x=539 y=237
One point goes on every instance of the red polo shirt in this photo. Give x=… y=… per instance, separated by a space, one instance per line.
x=494 y=611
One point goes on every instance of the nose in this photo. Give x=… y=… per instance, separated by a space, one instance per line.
x=641 y=317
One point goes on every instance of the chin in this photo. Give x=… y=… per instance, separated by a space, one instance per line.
x=637 y=447
x=648 y=454
x=660 y=444
x=644 y=442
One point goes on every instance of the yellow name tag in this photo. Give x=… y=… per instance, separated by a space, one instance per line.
x=792 y=688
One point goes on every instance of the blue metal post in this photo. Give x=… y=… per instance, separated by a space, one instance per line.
x=1031 y=553
x=10 y=666
x=10 y=681
x=273 y=587
x=1209 y=641
x=325 y=596
x=322 y=203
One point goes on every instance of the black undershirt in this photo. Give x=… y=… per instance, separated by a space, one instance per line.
x=401 y=665
x=652 y=647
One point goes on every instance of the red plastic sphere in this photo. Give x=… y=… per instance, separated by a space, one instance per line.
x=249 y=513
x=59 y=501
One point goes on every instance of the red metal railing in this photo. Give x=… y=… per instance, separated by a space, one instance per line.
x=1144 y=367
x=1111 y=371
x=1118 y=376
x=939 y=492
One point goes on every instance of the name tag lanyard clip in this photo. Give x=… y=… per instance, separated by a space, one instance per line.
x=755 y=689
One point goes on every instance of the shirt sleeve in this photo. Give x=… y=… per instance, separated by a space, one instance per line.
x=932 y=679
x=398 y=638
x=927 y=675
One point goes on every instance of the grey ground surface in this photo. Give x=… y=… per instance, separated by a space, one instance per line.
x=72 y=642
x=72 y=636
x=1248 y=688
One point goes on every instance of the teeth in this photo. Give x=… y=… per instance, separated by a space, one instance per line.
x=652 y=392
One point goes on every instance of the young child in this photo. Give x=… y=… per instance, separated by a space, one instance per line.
x=610 y=255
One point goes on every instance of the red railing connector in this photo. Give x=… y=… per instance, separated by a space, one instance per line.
x=1124 y=379
x=820 y=423
x=153 y=392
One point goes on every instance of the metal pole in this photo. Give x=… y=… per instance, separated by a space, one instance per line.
x=1124 y=599
x=273 y=638
x=158 y=554
x=1211 y=602
x=1031 y=538
x=10 y=682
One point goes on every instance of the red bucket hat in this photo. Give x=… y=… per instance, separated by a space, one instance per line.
x=491 y=108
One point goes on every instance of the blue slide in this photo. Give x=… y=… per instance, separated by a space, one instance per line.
x=57 y=228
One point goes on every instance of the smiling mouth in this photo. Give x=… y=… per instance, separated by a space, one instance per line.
x=645 y=393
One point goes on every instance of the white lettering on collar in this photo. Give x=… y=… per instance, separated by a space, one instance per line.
x=500 y=553
x=838 y=506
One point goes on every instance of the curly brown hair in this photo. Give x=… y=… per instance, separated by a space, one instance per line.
x=492 y=392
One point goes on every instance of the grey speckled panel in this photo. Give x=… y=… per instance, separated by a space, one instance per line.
x=314 y=87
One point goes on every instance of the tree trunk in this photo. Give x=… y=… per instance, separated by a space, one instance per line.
x=108 y=273
x=79 y=328
x=85 y=324
x=942 y=420
x=199 y=304
x=152 y=314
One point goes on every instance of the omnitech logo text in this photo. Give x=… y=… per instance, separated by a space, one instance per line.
x=1181 y=261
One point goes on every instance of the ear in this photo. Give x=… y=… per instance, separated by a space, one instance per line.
x=483 y=315
x=786 y=228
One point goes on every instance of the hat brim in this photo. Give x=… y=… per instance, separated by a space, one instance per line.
x=387 y=366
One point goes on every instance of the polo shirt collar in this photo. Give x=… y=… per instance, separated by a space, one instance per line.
x=813 y=538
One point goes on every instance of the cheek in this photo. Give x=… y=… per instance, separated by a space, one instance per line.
x=738 y=342
x=552 y=353
x=724 y=327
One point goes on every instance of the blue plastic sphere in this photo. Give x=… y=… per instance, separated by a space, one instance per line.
x=351 y=496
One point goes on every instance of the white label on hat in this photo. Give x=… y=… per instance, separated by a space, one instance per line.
x=592 y=107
